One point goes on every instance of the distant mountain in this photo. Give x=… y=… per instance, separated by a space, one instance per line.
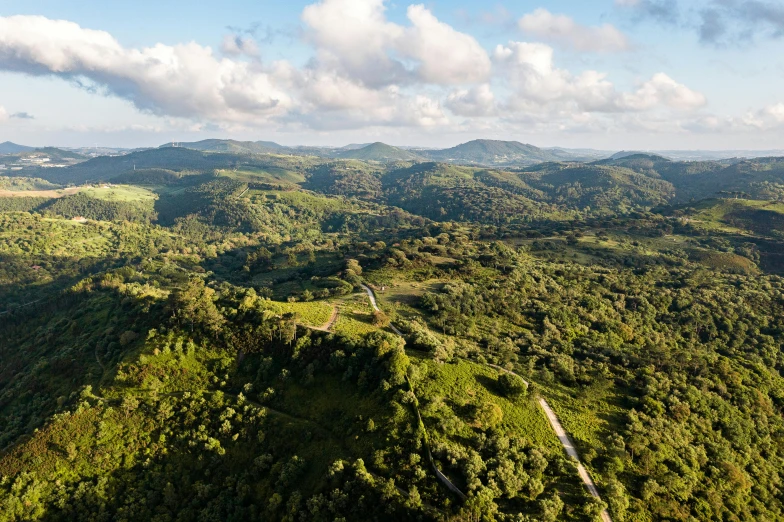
x=12 y=148
x=626 y=153
x=494 y=152
x=354 y=146
x=240 y=147
x=176 y=159
x=379 y=152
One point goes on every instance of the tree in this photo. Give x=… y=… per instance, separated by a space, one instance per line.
x=196 y=304
x=511 y=385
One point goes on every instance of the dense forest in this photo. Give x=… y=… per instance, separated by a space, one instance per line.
x=190 y=335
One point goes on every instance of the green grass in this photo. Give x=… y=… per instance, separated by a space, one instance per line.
x=120 y=193
x=355 y=317
x=464 y=385
x=313 y=313
x=264 y=174
x=588 y=418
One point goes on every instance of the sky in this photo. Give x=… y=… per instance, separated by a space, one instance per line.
x=607 y=74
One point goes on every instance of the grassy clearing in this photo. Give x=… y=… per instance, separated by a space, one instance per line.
x=120 y=193
x=58 y=193
x=355 y=317
x=313 y=313
x=589 y=418
x=464 y=386
x=264 y=174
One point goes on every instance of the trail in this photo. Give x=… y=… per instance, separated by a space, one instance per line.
x=328 y=325
x=22 y=306
x=566 y=442
x=98 y=360
x=443 y=478
x=374 y=304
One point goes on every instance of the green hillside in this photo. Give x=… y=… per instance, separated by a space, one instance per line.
x=190 y=337
x=379 y=152
x=493 y=152
x=233 y=146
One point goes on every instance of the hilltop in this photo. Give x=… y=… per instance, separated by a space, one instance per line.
x=493 y=152
x=218 y=145
x=379 y=152
x=8 y=147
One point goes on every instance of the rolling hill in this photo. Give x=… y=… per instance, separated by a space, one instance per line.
x=379 y=152
x=240 y=147
x=8 y=147
x=494 y=152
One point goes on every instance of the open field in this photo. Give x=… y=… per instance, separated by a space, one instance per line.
x=105 y=192
x=39 y=193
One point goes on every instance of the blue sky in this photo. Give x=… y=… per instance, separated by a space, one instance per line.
x=612 y=74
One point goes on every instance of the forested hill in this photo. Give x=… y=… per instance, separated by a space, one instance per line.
x=194 y=339
x=494 y=152
x=217 y=145
x=379 y=152
x=8 y=147
x=177 y=159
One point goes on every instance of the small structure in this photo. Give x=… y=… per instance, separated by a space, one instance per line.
x=79 y=219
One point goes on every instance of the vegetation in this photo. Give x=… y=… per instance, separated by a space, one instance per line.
x=200 y=347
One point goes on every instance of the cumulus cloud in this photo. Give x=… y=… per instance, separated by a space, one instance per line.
x=23 y=116
x=767 y=118
x=564 y=31
x=185 y=80
x=663 y=90
x=533 y=78
x=366 y=71
x=355 y=36
x=3 y=114
x=476 y=102
x=446 y=56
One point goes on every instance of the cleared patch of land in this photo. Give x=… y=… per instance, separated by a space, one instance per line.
x=39 y=193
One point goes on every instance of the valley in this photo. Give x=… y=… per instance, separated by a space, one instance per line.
x=228 y=330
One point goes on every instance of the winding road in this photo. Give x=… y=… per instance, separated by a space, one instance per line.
x=552 y=418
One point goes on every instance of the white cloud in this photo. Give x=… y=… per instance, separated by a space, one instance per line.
x=563 y=30
x=354 y=37
x=662 y=90
x=183 y=80
x=477 y=102
x=3 y=114
x=534 y=79
x=532 y=76
x=767 y=118
x=446 y=56
x=366 y=72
